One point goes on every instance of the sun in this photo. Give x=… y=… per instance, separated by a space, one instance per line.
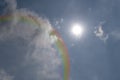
x=77 y=30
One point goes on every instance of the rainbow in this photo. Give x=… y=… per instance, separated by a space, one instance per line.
x=59 y=42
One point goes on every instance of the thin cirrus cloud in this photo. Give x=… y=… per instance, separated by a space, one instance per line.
x=27 y=52
x=116 y=35
x=5 y=76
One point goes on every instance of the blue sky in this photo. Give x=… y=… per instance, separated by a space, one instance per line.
x=94 y=56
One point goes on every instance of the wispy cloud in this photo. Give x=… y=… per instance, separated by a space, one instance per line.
x=11 y=6
x=5 y=76
x=101 y=34
x=116 y=34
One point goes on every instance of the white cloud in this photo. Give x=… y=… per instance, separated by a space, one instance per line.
x=5 y=76
x=101 y=34
x=11 y=6
x=40 y=51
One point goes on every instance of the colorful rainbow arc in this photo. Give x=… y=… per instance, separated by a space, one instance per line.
x=64 y=54
x=59 y=43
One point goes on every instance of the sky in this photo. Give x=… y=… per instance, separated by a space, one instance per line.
x=93 y=56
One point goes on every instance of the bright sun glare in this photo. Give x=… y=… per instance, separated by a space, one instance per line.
x=77 y=29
